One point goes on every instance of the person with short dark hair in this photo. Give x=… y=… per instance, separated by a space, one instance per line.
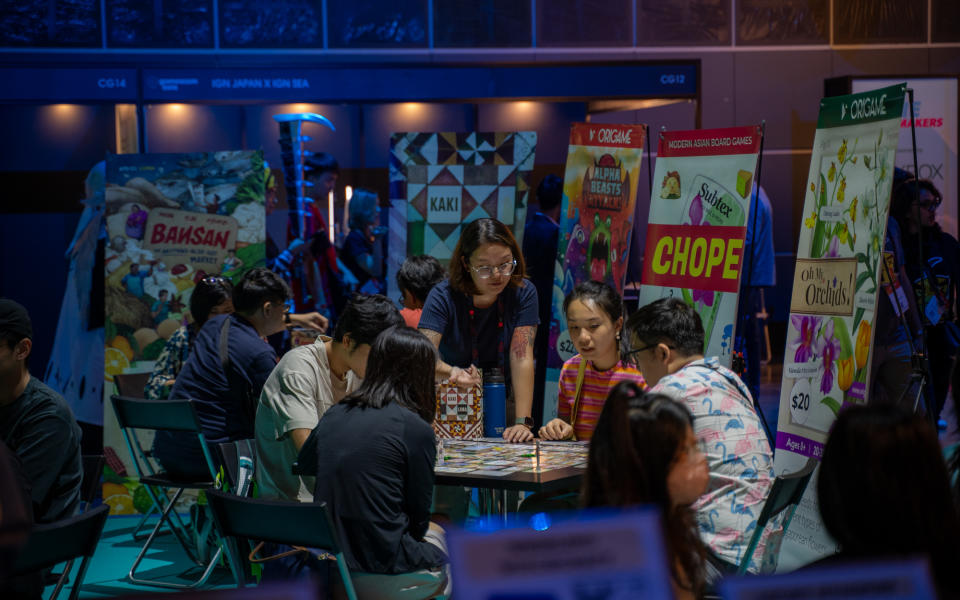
x=540 y=239
x=375 y=458
x=225 y=388
x=667 y=338
x=307 y=381
x=485 y=316
x=883 y=491
x=211 y=296
x=645 y=452
x=36 y=423
x=416 y=277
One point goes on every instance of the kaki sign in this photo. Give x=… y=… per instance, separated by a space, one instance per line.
x=698 y=257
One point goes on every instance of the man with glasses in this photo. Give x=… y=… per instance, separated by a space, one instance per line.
x=667 y=340
x=225 y=372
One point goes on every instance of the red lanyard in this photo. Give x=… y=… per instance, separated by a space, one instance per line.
x=475 y=335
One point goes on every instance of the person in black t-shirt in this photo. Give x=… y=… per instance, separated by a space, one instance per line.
x=934 y=271
x=376 y=452
x=226 y=399
x=36 y=423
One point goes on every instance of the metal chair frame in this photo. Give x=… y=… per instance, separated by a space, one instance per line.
x=164 y=415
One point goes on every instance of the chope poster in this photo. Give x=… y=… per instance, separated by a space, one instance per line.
x=835 y=288
x=171 y=220
x=702 y=184
x=596 y=223
x=439 y=182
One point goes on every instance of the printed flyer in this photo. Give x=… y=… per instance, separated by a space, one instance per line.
x=835 y=288
x=171 y=220
x=596 y=224
x=700 y=202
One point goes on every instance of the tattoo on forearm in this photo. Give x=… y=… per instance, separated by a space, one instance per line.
x=522 y=341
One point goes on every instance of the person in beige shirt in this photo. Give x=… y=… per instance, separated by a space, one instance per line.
x=305 y=383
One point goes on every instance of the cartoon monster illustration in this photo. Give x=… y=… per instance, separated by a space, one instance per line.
x=670 y=189
x=576 y=256
x=600 y=254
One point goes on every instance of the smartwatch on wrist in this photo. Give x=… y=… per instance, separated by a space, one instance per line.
x=525 y=421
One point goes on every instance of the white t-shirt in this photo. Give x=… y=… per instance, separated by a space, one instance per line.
x=299 y=390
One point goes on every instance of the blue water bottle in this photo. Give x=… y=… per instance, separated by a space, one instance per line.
x=494 y=403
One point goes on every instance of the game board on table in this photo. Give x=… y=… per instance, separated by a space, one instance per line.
x=493 y=457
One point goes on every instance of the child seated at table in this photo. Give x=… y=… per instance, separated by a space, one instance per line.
x=594 y=313
x=416 y=277
x=644 y=452
x=375 y=453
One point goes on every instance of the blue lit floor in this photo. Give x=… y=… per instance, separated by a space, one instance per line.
x=107 y=573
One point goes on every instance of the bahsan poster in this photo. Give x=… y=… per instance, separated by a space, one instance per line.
x=835 y=290
x=700 y=202
x=599 y=196
x=171 y=220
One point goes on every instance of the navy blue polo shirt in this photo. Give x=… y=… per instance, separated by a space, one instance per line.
x=220 y=401
x=447 y=312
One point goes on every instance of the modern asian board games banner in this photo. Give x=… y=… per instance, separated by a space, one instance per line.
x=171 y=220
x=703 y=180
x=835 y=288
x=599 y=195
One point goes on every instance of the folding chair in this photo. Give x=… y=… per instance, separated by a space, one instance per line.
x=292 y=523
x=164 y=415
x=53 y=543
x=785 y=493
x=92 y=473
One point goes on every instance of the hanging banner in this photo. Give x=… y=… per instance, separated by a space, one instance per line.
x=441 y=181
x=935 y=114
x=171 y=220
x=596 y=224
x=835 y=287
x=703 y=180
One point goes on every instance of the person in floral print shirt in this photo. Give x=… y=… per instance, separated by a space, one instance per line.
x=667 y=340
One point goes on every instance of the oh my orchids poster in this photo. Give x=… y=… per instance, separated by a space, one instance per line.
x=835 y=290
x=699 y=206
x=835 y=284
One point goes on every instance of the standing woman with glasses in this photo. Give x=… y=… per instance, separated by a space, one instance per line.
x=485 y=316
x=934 y=270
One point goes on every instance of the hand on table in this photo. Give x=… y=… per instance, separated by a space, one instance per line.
x=557 y=429
x=310 y=320
x=517 y=433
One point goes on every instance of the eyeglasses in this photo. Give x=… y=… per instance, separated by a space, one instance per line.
x=629 y=354
x=485 y=272
x=694 y=450
x=215 y=280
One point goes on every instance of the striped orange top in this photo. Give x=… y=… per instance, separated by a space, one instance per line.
x=596 y=386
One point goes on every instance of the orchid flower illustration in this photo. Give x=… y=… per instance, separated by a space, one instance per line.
x=829 y=349
x=807 y=327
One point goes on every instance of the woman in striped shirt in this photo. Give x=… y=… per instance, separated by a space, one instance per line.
x=594 y=313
